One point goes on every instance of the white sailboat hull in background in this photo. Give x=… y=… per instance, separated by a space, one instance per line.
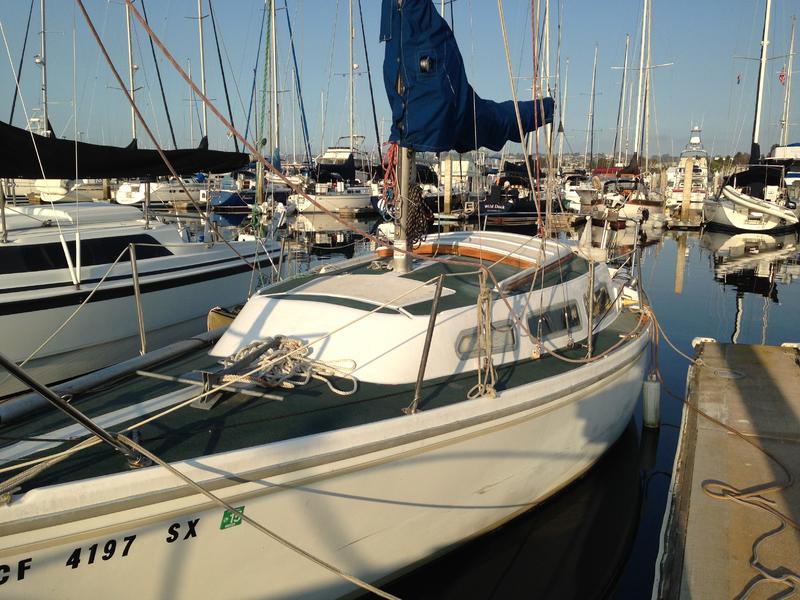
x=371 y=499
x=355 y=201
x=738 y=211
x=107 y=332
x=161 y=193
x=179 y=281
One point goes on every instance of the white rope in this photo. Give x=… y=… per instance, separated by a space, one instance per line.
x=487 y=376
x=288 y=366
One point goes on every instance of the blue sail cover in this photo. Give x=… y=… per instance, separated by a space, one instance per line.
x=435 y=108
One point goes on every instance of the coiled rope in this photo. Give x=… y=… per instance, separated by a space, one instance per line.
x=288 y=365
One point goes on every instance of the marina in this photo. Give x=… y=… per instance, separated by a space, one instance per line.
x=311 y=337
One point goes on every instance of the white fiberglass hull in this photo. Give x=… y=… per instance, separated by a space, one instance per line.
x=160 y=195
x=106 y=331
x=736 y=211
x=334 y=202
x=371 y=500
x=656 y=217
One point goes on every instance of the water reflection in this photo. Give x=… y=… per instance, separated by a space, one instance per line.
x=753 y=263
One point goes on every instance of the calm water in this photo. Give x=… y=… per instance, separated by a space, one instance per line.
x=599 y=537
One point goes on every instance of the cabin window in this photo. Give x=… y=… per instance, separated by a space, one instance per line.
x=555 y=321
x=503 y=340
x=97 y=251
x=602 y=301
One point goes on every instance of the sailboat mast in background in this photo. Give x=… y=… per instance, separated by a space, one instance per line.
x=621 y=116
x=131 y=71
x=202 y=65
x=590 y=117
x=42 y=61
x=787 y=96
x=350 y=34
x=755 y=153
x=642 y=43
x=274 y=107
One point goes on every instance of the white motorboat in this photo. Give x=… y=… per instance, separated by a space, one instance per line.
x=162 y=193
x=337 y=197
x=44 y=279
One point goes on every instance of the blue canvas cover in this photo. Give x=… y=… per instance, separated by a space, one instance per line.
x=436 y=109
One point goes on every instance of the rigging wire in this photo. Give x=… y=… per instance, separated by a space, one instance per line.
x=115 y=72
x=160 y=83
x=299 y=91
x=21 y=62
x=369 y=77
x=255 y=74
x=221 y=68
x=327 y=95
x=268 y=532
x=518 y=115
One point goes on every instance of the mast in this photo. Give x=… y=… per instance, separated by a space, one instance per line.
x=563 y=117
x=294 y=119
x=191 y=103
x=787 y=96
x=350 y=71
x=590 y=117
x=641 y=78
x=202 y=64
x=131 y=71
x=621 y=116
x=43 y=63
x=274 y=108
x=647 y=86
x=760 y=93
x=548 y=128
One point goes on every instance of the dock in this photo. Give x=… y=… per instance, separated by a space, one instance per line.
x=708 y=543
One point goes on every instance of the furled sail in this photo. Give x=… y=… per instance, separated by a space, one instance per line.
x=434 y=108
x=18 y=158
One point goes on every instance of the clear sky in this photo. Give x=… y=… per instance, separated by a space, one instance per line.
x=706 y=40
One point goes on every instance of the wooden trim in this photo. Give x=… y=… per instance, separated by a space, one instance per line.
x=468 y=251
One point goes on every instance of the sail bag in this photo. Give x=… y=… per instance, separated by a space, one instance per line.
x=434 y=108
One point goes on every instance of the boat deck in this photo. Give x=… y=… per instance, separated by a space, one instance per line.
x=240 y=421
x=461 y=283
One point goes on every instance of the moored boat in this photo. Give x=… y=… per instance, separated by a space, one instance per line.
x=349 y=423
x=45 y=278
x=335 y=466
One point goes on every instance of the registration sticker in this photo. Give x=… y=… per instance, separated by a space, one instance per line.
x=231 y=519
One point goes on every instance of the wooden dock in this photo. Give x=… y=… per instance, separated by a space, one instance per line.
x=715 y=546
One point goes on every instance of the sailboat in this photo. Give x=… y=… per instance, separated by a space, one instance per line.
x=757 y=199
x=400 y=402
x=343 y=178
x=66 y=268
